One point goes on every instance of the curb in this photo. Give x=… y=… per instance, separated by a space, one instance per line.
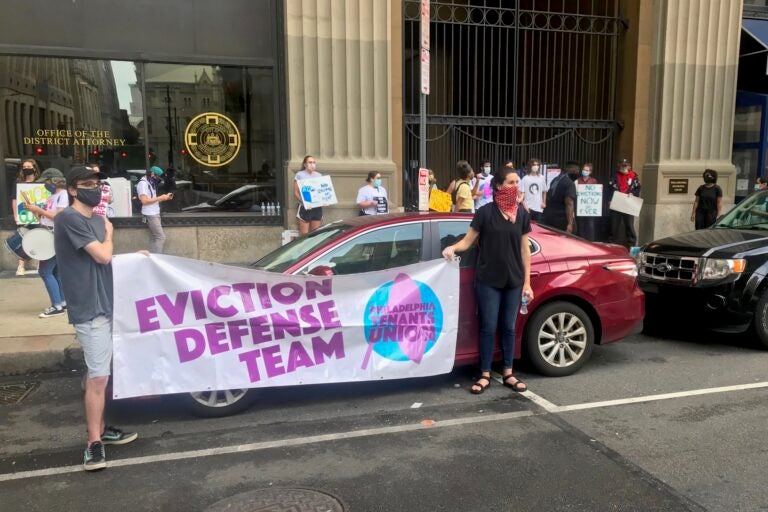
x=50 y=354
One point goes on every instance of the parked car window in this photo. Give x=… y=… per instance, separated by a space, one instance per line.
x=283 y=258
x=451 y=232
x=379 y=249
x=752 y=213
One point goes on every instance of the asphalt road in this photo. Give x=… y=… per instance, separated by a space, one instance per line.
x=648 y=424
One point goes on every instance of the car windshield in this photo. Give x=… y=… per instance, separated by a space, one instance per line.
x=751 y=213
x=281 y=259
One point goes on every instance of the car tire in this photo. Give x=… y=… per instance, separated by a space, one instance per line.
x=216 y=404
x=559 y=339
x=760 y=322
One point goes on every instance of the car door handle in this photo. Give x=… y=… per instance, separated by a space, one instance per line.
x=534 y=273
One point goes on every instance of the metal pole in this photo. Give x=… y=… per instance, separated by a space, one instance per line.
x=423 y=131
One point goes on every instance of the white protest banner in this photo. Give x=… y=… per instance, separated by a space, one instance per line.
x=32 y=193
x=423 y=190
x=183 y=325
x=626 y=203
x=552 y=173
x=316 y=192
x=121 y=198
x=589 y=201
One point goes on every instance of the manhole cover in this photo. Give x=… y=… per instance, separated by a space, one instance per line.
x=279 y=500
x=14 y=393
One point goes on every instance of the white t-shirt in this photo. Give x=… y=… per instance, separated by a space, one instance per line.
x=485 y=189
x=533 y=186
x=371 y=193
x=145 y=188
x=57 y=201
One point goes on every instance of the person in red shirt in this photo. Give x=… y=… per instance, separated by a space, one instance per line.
x=585 y=226
x=625 y=181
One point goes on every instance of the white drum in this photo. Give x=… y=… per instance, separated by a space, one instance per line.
x=38 y=244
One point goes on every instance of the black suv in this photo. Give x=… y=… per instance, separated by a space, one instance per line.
x=713 y=277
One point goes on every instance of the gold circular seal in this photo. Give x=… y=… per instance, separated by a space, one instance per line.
x=212 y=139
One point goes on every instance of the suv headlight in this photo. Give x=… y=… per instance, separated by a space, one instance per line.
x=720 y=269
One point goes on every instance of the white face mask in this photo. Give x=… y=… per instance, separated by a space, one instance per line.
x=535 y=168
x=311 y=167
x=486 y=170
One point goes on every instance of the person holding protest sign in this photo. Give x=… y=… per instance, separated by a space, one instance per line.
x=106 y=193
x=146 y=189
x=622 y=224
x=503 y=272
x=84 y=247
x=372 y=197
x=560 y=212
x=48 y=269
x=585 y=226
x=709 y=201
x=309 y=219
x=28 y=173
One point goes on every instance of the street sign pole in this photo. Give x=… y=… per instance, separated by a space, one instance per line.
x=424 y=83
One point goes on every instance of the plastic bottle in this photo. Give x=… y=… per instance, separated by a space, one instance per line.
x=263 y=208
x=278 y=208
x=524 y=305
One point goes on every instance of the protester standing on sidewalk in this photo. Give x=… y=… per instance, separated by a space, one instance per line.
x=622 y=224
x=48 y=269
x=535 y=187
x=372 y=197
x=585 y=226
x=28 y=173
x=560 y=212
x=503 y=272
x=709 y=201
x=146 y=189
x=484 y=188
x=84 y=246
x=309 y=219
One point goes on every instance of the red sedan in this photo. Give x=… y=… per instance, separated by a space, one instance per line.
x=585 y=293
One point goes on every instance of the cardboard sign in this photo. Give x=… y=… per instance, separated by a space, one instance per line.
x=589 y=201
x=121 y=198
x=317 y=192
x=626 y=203
x=440 y=201
x=423 y=190
x=32 y=193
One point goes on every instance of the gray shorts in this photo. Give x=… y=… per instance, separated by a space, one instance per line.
x=96 y=338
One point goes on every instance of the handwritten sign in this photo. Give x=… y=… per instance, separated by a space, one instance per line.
x=33 y=193
x=316 y=192
x=589 y=201
x=440 y=201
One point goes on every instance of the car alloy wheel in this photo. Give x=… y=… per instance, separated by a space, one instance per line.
x=212 y=404
x=559 y=338
x=562 y=339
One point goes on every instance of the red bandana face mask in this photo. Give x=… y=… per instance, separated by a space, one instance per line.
x=506 y=200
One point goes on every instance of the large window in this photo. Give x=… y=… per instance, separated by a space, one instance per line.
x=210 y=128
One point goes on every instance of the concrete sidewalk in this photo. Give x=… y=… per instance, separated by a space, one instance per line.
x=28 y=343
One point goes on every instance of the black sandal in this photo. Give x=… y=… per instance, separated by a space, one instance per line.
x=482 y=387
x=518 y=386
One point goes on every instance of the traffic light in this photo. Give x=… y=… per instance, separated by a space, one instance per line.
x=95 y=152
x=39 y=150
x=124 y=154
x=183 y=151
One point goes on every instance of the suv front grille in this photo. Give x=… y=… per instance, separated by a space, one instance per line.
x=668 y=268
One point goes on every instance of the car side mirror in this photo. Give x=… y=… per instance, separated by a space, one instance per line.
x=321 y=270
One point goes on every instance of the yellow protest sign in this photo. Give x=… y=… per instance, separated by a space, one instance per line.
x=440 y=201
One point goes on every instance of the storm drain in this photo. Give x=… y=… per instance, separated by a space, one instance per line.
x=279 y=500
x=11 y=394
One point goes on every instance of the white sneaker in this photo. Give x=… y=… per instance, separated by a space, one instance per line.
x=20 y=270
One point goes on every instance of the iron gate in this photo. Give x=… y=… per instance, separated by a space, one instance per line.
x=512 y=80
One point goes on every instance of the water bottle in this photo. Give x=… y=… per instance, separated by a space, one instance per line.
x=524 y=305
x=263 y=209
x=278 y=208
x=271 y=208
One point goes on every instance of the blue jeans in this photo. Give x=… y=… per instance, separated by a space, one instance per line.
x=49 y=273
x=491 y=301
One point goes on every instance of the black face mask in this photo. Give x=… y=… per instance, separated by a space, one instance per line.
x=709 y=179
x=50 y=188
x=89 y=196
x=28 y=172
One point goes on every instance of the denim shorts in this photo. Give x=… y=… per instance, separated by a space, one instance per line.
x=96 y=338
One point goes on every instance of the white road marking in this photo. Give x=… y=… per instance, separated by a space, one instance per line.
x=252 y=447
x=416 y=405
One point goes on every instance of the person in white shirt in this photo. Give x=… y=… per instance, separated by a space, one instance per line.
x=484 y=190
x=309 y=219
x=146 y=189
x=534 y=185
x=56 y=184
x=372 y=198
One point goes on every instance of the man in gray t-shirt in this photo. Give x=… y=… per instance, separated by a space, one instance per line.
x=83 y=243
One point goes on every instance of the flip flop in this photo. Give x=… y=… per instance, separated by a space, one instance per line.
x=518 y=386
x=482 y=387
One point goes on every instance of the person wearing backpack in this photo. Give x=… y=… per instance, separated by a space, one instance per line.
x=462 y=193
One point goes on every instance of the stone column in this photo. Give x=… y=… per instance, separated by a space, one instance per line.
x=340 y=70
x=691 y=108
